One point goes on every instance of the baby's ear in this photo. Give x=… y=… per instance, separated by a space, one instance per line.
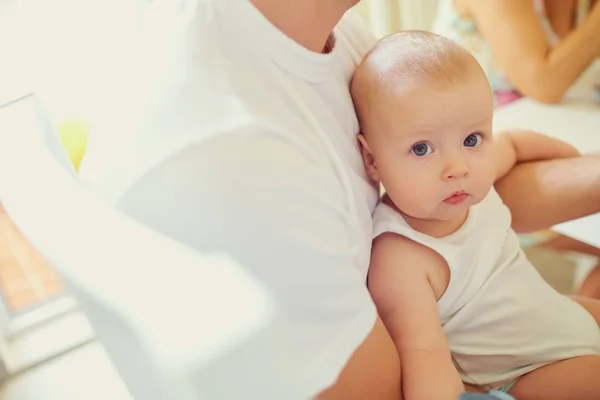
x=368 y=158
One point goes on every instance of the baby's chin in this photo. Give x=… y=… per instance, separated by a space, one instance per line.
x=452 y=215
x=442 y=213
x=436 y=211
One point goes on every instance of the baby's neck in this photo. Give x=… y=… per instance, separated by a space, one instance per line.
x=431 y=227
x=436 y=228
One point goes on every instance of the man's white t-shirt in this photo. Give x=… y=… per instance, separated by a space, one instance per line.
x=249 y=148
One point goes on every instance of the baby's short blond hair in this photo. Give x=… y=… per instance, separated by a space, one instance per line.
x=404 y=61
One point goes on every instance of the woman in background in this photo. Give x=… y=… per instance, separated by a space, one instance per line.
x=531 y=48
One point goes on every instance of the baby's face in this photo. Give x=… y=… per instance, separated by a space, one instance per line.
x=432 y=149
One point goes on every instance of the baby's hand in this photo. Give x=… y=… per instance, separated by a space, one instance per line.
x=534 y=146
x=518 y=146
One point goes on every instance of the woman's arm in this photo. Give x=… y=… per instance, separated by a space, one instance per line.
x=561 y=15
x=520 y=47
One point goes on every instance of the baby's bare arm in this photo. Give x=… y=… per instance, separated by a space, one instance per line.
x=400 y=286
x=512 y=147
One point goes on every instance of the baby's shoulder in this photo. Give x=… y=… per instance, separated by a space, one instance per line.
x=399 y=257
x=405 y=251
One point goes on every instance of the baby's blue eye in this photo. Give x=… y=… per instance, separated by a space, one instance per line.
x=473 y=140
x=421 y=149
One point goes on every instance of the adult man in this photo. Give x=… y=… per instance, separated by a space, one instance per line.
x=251 y=150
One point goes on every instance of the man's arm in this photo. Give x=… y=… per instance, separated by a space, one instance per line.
x=259 y=199
x=380 y=381
x=514 y=147
x=544 y=193
x=400 y=285
x=550 y=182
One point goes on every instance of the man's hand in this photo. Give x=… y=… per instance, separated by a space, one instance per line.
x=544 y=193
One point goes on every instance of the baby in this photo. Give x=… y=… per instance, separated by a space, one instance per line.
x=463 y=305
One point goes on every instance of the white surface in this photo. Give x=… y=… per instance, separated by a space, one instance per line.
x=46 y=341
x=576 y=121
x=586 y=230
x=163 y=312
x=86 y=374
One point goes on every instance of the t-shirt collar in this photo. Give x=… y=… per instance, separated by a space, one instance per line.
x=255 y=30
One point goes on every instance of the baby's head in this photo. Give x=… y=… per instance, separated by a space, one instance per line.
x=425 y=109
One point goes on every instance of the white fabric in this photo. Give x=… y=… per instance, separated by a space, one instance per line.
x=500 y=317
x=249 y=147
x=115 y=267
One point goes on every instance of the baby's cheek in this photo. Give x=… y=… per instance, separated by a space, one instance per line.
x=410 y=191
x=484 y=167
x=485 y=182
x=414 y=203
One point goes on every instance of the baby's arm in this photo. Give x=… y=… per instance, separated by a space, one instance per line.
x=512 y=147
x=407 y=304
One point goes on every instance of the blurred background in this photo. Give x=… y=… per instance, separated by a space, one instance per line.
x=46 y=347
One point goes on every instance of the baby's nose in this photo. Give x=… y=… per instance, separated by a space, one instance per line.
x=455 y=168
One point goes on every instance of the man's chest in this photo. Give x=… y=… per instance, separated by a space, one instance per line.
x=319 y=119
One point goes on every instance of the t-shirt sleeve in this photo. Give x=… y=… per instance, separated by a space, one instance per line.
x=280 y=214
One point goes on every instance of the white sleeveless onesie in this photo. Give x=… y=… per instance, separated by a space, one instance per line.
x=500 y=317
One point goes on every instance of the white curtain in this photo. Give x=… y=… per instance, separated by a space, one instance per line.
x=386 y=16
